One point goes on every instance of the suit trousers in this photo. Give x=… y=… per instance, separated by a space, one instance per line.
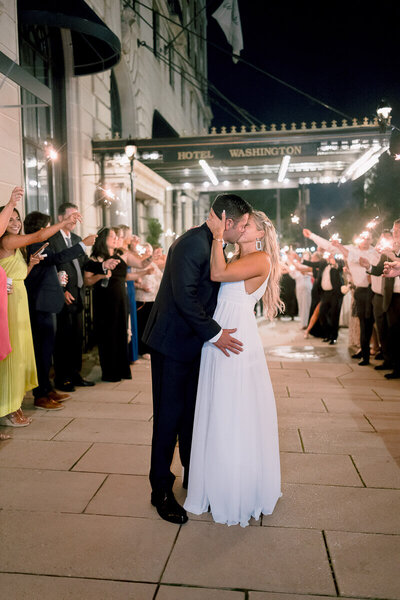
x=329 y=312
x=381 y=325
x=68 y=344
x=363 y=300
x=43 y=332
x=393 y=316
x=174 y=399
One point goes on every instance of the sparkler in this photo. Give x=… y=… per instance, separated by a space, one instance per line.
x=372 y=223
x=384 y=244
x=326 y=222
x=140 y=249
x=335 y=238
x=326 y=255
x=295 y=219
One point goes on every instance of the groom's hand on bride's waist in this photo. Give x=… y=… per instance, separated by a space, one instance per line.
x=226 y=343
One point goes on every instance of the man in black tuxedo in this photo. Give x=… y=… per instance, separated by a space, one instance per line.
x=68 y=342
x=391 y=301
x=178 y=326
x=330 y=281
x=46 y=299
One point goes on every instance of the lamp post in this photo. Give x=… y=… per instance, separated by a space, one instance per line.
x=383 y=111
x=130 y=152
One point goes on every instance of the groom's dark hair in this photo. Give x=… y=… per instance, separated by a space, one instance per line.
x=234 y=206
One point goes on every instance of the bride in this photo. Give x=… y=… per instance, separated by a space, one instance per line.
x=234 y=464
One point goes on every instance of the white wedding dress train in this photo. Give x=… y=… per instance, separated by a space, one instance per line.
x=234 y=464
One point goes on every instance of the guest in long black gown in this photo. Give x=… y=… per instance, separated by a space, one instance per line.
x=110 y=305
x=288 y=293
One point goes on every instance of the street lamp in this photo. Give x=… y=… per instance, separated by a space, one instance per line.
x=383 y=111
x=130 y=151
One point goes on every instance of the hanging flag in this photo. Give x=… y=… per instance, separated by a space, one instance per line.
x=227 y=16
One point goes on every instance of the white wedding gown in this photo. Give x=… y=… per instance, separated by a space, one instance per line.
x=234 y=463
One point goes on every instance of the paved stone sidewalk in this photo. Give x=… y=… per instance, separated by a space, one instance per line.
x=76 y=521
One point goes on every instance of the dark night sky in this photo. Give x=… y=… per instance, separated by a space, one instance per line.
x=344 y=53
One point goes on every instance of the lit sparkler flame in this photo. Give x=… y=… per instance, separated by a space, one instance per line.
x=384 y=244
x=372 y=223
x=295 y=219
x=140 y=249
x=326 y=222
x=335 y=238
x=326 y=255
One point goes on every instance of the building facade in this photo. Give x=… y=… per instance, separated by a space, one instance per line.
x=100 y=69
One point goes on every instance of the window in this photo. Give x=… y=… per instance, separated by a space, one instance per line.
x=183 y=88
x=42 y=126
x=156 y=30
x=116 y=118
x=171 y=66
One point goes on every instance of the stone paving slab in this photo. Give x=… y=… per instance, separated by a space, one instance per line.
x=107 y=430
x=289 y=440
x=124 y=495
x=58 y=491
x=170 y=592
x=378 y=471
x=349 y=442
x=99 y=410
x=366 y=565
x=339 y=508
x=41 y=455
x=295 y=405
x=101 y=396
x=323 y=422
x=116 y=458
x=290 y=374
x=322 y=469
x=384 y=422
x=252 y=558
x=35 y=587
x=272 y=596
x=365 y=407
x=101 y=547
x=40 y=428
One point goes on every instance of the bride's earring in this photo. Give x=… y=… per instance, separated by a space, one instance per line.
x=258 y=245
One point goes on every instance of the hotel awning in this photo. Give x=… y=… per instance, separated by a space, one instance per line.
x=95 y=47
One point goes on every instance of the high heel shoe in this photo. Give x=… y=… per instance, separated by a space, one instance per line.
x=15 y=419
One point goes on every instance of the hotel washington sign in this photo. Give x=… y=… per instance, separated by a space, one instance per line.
x=231 y=153
x=179 y=153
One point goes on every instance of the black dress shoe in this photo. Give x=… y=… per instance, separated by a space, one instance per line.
x=80 y=382
x=385 y=366
x=363 y=362
x=65 y=386
x=332 y=342
x=394 y=375
x=379 y=356
x=326 y=340
x=168 y=508
x=357 y=355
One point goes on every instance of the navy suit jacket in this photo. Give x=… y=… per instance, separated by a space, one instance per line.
x=44 y=290
x=181 y=318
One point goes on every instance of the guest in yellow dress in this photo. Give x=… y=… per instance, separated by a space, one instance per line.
x=18 y=369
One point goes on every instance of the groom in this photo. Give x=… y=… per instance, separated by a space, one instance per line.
x=179 y=324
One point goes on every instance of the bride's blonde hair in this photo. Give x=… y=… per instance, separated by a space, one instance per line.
x=269 y=242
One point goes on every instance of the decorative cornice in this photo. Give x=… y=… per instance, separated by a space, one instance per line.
x=344 y=124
